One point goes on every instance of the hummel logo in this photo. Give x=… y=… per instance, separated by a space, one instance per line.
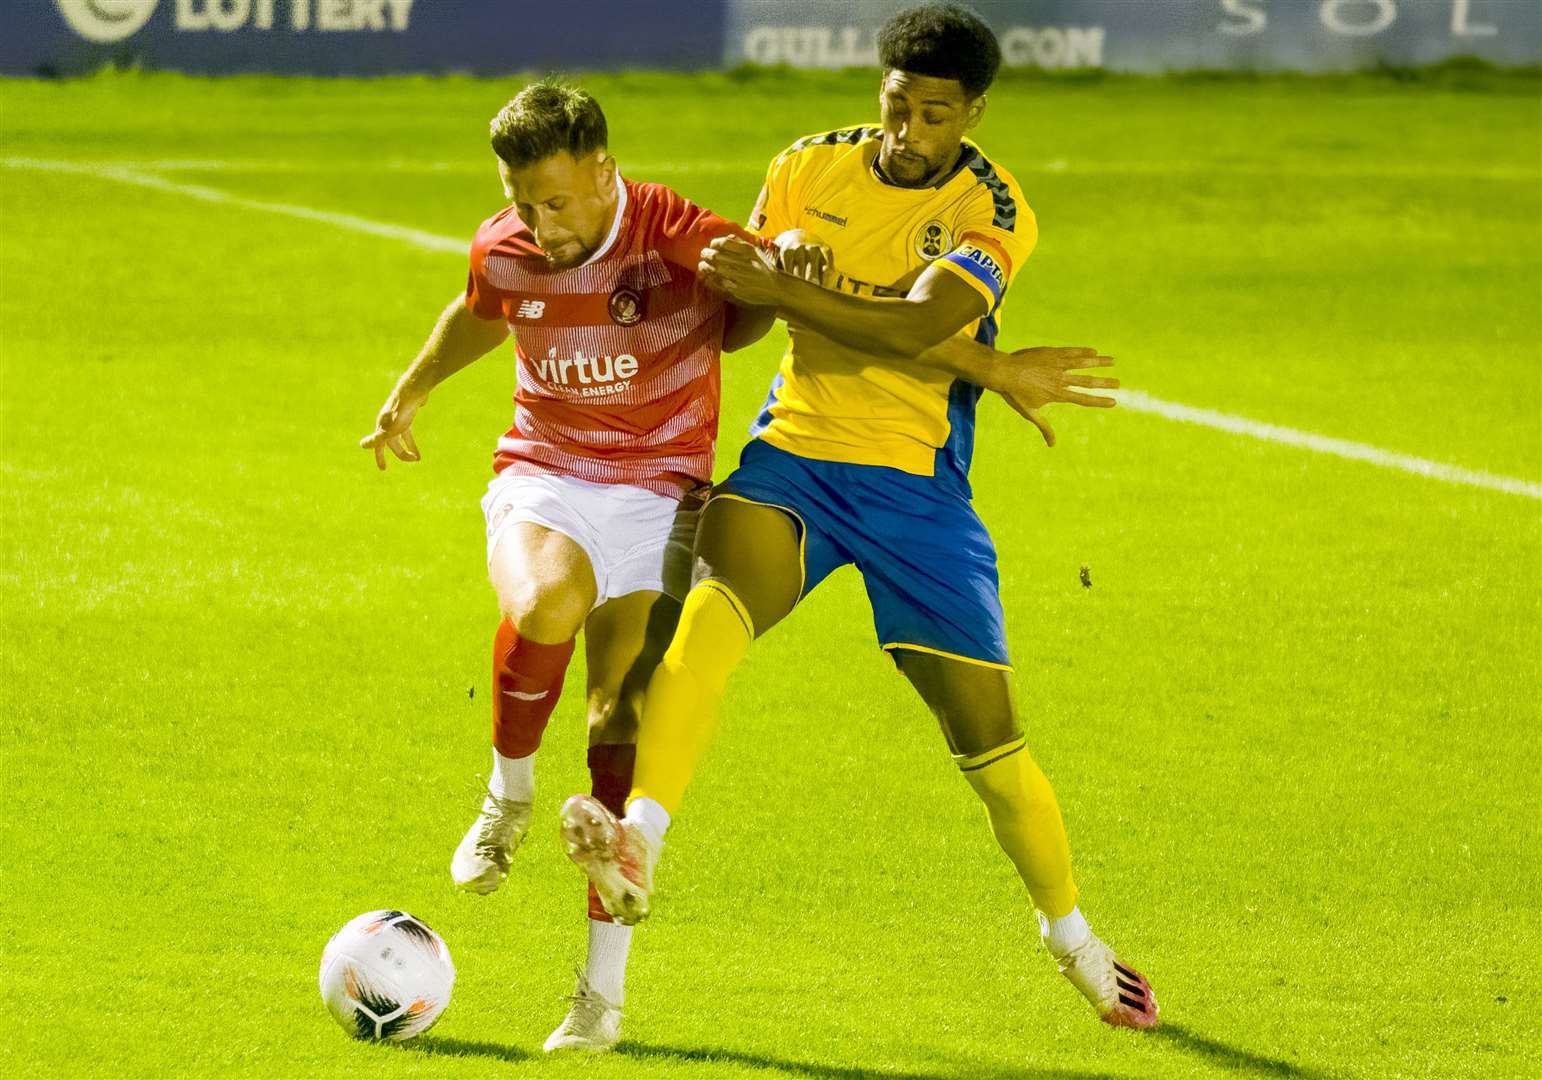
x=530 y=309
x=814 y=211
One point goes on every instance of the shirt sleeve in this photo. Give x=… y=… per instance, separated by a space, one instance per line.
x=771 y=215
x=687 y=228
x=484 y=301
x=996 y=238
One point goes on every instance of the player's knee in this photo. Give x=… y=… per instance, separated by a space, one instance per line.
x=976 y=729
x=999 y=776
x=685 y=661
x=544 y=611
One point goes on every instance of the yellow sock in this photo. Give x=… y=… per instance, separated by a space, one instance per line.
x=680 y=709
x=1026 y=820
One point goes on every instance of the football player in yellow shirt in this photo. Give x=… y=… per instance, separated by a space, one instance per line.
x=896 y=245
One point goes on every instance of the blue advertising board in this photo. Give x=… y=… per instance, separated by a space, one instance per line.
x=372 y=37
x=358 y=37
x=1164 y=35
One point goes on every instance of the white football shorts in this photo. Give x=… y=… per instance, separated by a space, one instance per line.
x=635 y=539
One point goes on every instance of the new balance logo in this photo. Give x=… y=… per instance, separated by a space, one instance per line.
x=530 y=309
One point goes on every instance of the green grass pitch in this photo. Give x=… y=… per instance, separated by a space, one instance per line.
x=1294 y=723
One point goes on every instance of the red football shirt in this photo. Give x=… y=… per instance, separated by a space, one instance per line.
x=618 y=376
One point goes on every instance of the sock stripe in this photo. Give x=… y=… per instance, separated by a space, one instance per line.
x=975 y=762
x=733 y=601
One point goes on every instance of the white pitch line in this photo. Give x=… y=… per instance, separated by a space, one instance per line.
x=480 y=168
x=1133 y=400
x=1136 y=401
x=416 y=237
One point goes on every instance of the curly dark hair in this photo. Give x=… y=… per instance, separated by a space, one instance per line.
x=945 y=41
x=546 y=118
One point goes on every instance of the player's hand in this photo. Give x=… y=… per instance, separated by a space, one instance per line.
x=1032 y=378
x=393 y=428
x=805 y=256
x=741 y=271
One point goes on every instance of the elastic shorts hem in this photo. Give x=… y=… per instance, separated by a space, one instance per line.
x=532 y=517
x=994 y=665
x=635 y=540
x=790 y=512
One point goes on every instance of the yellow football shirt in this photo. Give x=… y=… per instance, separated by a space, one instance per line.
x=834 y=403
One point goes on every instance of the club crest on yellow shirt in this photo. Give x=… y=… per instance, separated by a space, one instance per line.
x=933 y=241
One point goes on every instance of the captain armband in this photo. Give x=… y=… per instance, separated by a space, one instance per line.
x=981 y=268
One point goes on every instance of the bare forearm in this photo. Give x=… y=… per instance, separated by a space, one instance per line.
x=965 y=358
x=886 y=329
x=959 y=355
x=457 y=340
x=893 y=332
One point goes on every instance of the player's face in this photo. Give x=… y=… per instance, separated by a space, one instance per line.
x=924 y=120
x=568 y=202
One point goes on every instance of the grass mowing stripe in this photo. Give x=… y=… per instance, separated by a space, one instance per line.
x=1133 y=400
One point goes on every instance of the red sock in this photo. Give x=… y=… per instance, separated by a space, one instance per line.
x=527 y=681
x=610 y=774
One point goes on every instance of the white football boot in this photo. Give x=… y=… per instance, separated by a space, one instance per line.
x=1120 y=994
x=616 y=854
x=592 y=1025
x=482 y=860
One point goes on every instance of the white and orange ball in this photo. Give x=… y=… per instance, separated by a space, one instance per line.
x=386 y=975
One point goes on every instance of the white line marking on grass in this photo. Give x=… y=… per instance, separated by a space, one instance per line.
x=416 y=237
x=1199 y=167
x=478 y=167
x=1135 y=401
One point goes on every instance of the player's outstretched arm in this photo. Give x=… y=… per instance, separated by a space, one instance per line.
x=921 y=329
x=458 y=339
x=1029 y=378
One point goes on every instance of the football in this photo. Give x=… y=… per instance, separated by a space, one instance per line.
x=386 y=975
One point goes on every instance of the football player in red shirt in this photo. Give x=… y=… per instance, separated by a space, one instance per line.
x=592 y=512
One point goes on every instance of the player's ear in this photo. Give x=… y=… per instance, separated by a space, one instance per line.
x=607 y=170
x=976 y=111
x=503 y=176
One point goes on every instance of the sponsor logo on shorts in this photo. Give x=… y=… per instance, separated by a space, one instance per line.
x=626 y=307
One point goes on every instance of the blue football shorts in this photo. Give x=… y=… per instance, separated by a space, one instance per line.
x=924 y=555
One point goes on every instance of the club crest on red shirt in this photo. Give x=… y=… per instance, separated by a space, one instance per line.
x=626 y=307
